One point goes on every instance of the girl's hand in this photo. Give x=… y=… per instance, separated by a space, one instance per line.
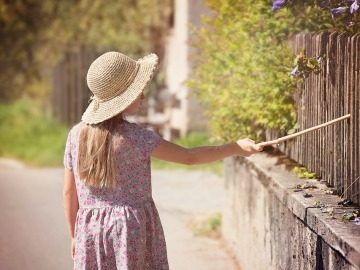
x=72 y=248
x=248 y=147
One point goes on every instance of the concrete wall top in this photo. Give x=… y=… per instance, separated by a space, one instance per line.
x=275 y=175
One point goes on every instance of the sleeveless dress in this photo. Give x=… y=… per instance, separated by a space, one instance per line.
x=119 y=228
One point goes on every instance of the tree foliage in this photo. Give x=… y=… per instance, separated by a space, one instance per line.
x=35 y=34
x=22 y=24
x=243 y=63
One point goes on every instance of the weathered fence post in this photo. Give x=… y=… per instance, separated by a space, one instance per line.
x=333 y=152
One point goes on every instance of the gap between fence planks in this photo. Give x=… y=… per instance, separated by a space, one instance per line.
x=288 y=137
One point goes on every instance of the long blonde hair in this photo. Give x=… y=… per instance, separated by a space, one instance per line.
x=96 y=153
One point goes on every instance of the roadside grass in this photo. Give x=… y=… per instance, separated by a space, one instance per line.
x=194 y=139
x=206 y=226
x=27 y=133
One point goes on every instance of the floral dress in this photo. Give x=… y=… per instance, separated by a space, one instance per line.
x=119 y=228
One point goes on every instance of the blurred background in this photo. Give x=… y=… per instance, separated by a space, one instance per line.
x=46 y=49
x=224 y=67
x=224 y=74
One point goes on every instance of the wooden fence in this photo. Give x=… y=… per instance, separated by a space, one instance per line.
x=70 y=93
x=332 y=152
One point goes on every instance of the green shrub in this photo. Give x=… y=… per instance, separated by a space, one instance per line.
x=27 y=133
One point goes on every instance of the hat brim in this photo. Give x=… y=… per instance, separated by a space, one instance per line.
x=107 y=109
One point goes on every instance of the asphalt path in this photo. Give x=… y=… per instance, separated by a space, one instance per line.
x=34 y=236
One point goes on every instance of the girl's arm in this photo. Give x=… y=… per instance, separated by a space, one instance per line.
x=71 y=204
x=200 y=155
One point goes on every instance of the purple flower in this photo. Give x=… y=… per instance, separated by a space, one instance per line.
x=324 y=3
x=295 y=72
x=278 y=4
x=336 y=12
x=355 y=6
x=348 y=1
x=357 y=221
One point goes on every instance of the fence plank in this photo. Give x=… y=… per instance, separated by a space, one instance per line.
x=70 y=91
x=334 y=152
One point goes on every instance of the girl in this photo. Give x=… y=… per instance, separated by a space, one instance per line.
x=111 y=216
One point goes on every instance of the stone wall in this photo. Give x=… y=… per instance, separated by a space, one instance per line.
x=268 y=226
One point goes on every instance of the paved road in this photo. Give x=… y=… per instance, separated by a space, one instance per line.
x=33 y=233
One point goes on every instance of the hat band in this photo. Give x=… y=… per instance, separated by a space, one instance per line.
x=130 y=79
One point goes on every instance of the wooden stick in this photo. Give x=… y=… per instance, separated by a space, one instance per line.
x=288 y=137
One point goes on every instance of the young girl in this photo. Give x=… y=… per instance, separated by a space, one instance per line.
x=111 y=216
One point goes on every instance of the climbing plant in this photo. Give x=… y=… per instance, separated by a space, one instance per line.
x=345 y=12
x=243 y=64
x=36 y=34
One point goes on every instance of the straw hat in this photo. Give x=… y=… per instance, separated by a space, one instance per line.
x=116 y=81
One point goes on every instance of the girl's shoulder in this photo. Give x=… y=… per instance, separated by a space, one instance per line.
x=142 y=138
x=78 y=126
x=75 y=129
x=136 y=131
x=134 y=128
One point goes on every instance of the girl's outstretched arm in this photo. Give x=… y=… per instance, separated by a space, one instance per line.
x=71 y=204
x=200 y=155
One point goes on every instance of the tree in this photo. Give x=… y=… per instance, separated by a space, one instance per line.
x=35 y=34
x=22 y=28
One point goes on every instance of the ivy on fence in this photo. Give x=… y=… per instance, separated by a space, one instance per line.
x=304 y=66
